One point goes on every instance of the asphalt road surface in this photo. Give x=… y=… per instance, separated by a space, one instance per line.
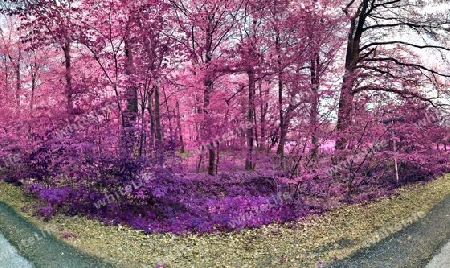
x=9 y=258
x=442 y=260
x=40 y=248
x=424 y=243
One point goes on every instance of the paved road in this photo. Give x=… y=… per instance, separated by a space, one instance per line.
x=39 y=247
x=424 y=243
x=442 y=260
x=9 y=258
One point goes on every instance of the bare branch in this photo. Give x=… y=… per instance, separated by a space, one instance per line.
x=402 y=43
x=413 y=65
x=402 y=93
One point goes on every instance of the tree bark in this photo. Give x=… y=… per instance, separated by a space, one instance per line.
x=130 y=114
x=158 y=129
x=344 y=111
x=249 y=165
x=68 y=77
x=33 y=89
x=206 y=127
x=314 y=112
x=152 y=119
x=352 y=57
x=207 y=121
x=180 y=133
x=264 y=107
x=283 y=127
x=18 y=79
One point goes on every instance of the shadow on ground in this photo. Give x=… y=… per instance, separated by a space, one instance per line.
x=40 y=247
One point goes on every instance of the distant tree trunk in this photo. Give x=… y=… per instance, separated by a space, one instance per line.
x=18 y=79
x=314 y=112
x=5 y=62
x=207 y=128
x=158 y=129
x=68 y=77
x=143 y=129
x=264 y=107
x=198 y=167
x=150 y=45
x=152 y=119
x=33 y=89
x=180 y=132
x=130 y=114
x=283 y=125
x=217 y=157
x=170 y=116
x=282 y=139
x=249 y=165
x=208 y=83
x=199 y=132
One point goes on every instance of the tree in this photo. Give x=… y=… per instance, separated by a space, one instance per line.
x=52 y=22
x=366 y=57
x=206 y=26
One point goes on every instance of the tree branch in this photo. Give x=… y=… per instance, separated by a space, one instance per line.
x=402 y=93
x=413 y=65
x=402 y=43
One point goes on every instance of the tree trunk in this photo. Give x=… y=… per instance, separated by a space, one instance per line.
x=152 y=119
x=264 y=108
x=143 y=128
x=344 y=112
x=249 y=165
x=283 y=125
x=207 y=128
x=180 y=133
x=314 y=112
x=351 y=59
x=18 y=79
x=5 y=63
x=208 y=83
x=33 y=88
x=68 y=77
x=130 y=114
x=170 y=115
x=158 y=129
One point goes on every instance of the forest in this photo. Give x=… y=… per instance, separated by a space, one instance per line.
x=195 y=116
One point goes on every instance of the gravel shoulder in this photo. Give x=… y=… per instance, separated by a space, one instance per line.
x=413 y=246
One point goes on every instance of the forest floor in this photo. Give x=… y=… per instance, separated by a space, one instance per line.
x=309 y=242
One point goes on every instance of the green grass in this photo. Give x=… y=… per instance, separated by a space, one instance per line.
x=337 y=233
